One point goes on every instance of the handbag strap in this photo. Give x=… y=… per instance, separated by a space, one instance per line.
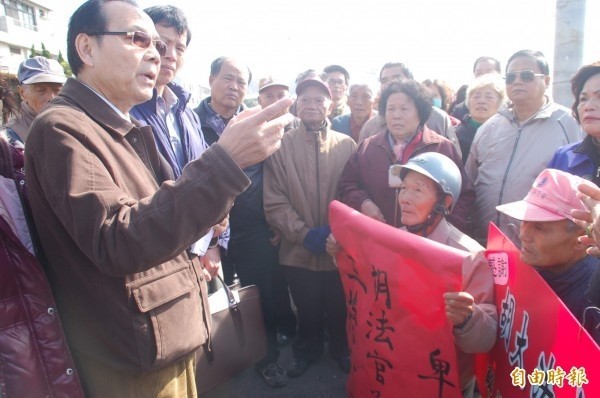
x=233 y=306
x=230 y=297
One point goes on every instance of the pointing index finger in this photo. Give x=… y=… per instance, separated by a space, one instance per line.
x=271 y=112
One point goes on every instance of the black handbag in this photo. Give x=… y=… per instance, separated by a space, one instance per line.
x=238 y=338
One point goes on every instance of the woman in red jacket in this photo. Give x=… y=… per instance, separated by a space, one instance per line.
x=33 y=350
x=364 y=185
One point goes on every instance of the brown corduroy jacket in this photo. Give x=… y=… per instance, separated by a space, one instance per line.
x=115 y=231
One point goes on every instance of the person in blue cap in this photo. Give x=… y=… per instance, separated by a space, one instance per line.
x=40 y=80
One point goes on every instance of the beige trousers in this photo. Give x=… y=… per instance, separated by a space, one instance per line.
x=101 y=381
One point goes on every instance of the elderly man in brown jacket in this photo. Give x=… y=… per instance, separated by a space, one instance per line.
x=299 y=183
x=113 y=227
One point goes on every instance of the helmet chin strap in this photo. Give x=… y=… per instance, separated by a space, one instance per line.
x=421 y=228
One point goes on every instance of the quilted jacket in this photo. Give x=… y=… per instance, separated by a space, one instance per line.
x=34 y=357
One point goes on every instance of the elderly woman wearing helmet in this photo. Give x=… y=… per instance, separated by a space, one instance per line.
x=431 y=183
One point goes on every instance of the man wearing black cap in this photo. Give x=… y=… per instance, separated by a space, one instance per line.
x=40 y=80
x=300 y=180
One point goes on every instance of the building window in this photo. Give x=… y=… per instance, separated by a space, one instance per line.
x=15 y=50
x=23 y=14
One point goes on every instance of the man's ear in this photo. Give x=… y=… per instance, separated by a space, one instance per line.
x=85 y=46
x=211 y=79
x=448 y=202
x=577 y=245
x=330 y=109
x=547 y=81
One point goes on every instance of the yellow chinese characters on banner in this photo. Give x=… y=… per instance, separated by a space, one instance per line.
x=555 y=377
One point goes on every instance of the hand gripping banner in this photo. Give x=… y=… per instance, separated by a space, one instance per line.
x=400 y=340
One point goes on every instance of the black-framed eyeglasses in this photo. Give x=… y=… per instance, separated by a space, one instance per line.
x=526 y=76
x=138 y=38
x=336 y=82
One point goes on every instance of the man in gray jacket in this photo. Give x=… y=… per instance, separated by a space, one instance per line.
x=516 y=144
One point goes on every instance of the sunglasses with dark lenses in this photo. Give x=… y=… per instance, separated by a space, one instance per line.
x=140 y=39
x=526 y=76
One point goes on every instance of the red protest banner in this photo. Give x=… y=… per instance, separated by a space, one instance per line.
x=400 y=340
x=542 y=351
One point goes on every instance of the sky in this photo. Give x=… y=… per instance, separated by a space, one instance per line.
x=437 y=39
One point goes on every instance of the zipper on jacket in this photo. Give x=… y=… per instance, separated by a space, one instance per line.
x=392 y=160
x=319 y=221
x=318 y=179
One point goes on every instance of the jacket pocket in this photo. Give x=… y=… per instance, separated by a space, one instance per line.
x=169 y=323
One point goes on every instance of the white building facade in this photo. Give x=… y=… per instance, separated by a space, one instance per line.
x=23 y=23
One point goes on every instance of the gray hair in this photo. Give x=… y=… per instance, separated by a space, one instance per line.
x=490 y=80
x=365 y=87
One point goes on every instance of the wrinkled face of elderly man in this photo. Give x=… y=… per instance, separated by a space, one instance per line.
x=228 y=88
x=313 y=106
x=551 y=245
x=37 y=95
x=272 y=94
x=360 y=102
x=121 y=68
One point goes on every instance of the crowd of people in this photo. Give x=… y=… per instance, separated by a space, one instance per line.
x=134 y=201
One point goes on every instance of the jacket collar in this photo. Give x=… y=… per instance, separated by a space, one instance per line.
x=81 y=96
x=543 y=113
x=575 y=276
x=428 y=136
x=27 y=114
x=182 y=95
x=586 y=146
x=23 y=121
x=323 y=131
x=205 y=110
x=441 y=232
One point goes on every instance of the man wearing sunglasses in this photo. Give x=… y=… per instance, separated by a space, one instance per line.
x=113 y=225
x=516 y=144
